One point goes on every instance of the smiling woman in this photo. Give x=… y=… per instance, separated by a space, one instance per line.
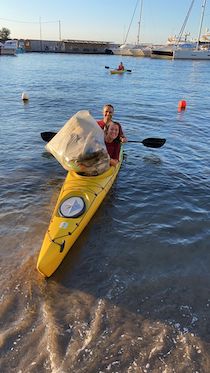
x=112 y=142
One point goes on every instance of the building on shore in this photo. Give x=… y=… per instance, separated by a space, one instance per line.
x=68 y=46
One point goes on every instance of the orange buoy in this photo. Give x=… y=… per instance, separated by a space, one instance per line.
x=182 y=105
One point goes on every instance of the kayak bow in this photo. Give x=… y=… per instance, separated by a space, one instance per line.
x=79 y=199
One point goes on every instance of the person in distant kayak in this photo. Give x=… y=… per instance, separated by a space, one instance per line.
x=112 y=142
x=108 y=112
x=121 y=66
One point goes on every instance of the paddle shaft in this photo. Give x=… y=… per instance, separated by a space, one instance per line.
x=151 y=142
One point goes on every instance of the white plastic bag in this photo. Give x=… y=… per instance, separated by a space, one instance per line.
x=79 y=145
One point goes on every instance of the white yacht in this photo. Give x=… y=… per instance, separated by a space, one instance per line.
x=166 y=51
x=191 y=54
x=8 y=48
x=202 y=49
x=175 y=42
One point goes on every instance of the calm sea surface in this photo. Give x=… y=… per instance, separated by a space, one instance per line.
x=133 y=294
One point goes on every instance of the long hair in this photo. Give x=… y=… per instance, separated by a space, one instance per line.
x=106 y=130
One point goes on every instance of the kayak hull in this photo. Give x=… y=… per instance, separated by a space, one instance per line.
x=119 y=72
x=64 y=231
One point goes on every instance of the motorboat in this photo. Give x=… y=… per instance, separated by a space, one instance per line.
x=202 y=49
x=8 y=48
x=192 y=54
x=167 y=51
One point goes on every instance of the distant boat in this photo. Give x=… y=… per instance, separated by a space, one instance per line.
x=8 y=48
x=202 y=49
x=123 y=50
x=138 y=49
x=166 y=51
x=11 y=47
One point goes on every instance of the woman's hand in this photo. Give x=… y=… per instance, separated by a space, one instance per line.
x=113 y=162
x=123 y=139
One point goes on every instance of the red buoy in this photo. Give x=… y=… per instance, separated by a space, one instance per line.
x=182 y=105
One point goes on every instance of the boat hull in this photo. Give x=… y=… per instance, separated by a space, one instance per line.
x=7 y=51
x=162 y=53
x=64 y=231
x=119 y=72
x=141 y=52
x=191 y=54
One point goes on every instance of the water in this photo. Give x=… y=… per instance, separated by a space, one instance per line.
x=132 y=295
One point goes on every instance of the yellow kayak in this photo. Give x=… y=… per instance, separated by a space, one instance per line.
x=115 y=71
x=79 y=199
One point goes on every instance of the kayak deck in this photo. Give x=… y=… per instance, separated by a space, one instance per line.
x=115 y=71
x=80 y=197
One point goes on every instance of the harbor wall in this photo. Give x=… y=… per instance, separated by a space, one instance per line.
x=68 y=46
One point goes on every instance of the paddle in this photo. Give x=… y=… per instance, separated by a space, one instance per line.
x=107 y=67
x=47 y=136
x=151 y=142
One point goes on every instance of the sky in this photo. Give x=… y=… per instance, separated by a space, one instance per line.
x=101 y=20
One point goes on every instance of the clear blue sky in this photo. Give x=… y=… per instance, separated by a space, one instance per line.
x=106 y=20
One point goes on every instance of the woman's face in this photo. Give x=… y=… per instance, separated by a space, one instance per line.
x=113 y=131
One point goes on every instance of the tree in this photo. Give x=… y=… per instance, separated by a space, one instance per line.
x=4 y=33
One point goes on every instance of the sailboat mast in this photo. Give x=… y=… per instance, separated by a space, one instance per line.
x=139 y=23
x=184 y=23
x=126 y=37
x=201 y=23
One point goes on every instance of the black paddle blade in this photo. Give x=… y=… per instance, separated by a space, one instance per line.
x=47 y=136
x=106 y=67
x=153 y=142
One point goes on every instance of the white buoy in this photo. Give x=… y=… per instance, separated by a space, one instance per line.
x=24 y=96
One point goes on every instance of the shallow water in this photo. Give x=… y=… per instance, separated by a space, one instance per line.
x=132 y=295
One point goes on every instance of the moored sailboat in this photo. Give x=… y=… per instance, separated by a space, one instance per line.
x=138 y=49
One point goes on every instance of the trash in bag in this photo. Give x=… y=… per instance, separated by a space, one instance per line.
x=79 y=145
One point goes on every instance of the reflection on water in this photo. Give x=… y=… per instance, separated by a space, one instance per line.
x=152 y=158
x=132 y=295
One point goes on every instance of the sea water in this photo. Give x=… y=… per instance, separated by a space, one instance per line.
x=132 y=295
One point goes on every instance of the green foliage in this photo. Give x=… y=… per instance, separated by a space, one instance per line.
x=4 y=33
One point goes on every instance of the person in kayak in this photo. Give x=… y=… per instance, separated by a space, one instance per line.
x=112 y=142
x=121 y=66
x=108 y=112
